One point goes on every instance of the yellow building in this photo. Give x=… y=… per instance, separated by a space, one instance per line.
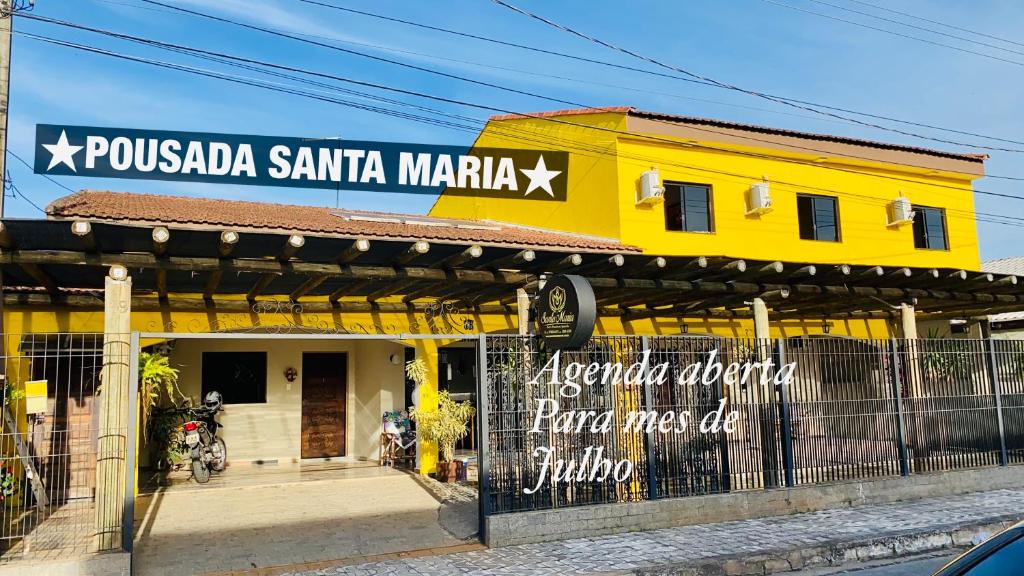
x=681 y=225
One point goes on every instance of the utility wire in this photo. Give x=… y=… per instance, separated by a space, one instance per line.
x=915 y=27
x=29 y=166
x=494 y=109
x=436 y=72
x=728 y=86
x=923 y=19
x=893 y=33
x=605 y=63
x=643 y=161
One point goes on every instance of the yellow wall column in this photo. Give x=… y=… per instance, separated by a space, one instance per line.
x=426 y=350
x=113 y=408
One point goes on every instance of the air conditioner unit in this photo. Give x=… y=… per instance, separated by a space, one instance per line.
x=759 y=199
x=900 y=212
x=651 y=191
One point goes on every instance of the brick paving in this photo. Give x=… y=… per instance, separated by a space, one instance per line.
x=624 y=553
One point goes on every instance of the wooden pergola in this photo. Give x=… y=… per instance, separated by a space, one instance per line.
x=60 y=263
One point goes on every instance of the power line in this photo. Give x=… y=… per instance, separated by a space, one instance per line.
x=29 y=166
x=643 y=160
x=728 y=86
x=893 y=33
x=9 y=184
x=427 y=70
x=493 y=109
x=950 y=26
x=605 y=63
x=915 y=27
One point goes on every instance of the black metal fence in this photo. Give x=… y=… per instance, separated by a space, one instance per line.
x=853 y=409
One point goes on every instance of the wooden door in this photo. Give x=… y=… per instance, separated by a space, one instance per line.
x=323 y=404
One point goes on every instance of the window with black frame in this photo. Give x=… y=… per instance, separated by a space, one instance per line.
x=688 y=208
x=818 y=217
x=930 y=228
x=240 y=377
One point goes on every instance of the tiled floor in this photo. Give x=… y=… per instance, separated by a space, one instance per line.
x=253 y=518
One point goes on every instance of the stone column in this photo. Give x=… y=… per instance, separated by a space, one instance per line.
x=113 y=408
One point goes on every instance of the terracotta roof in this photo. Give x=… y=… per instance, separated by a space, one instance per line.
x=696 y=120
x=152 y=209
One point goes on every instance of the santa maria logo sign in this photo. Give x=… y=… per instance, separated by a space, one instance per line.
x=300 y=162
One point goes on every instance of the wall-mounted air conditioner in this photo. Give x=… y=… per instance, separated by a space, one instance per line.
x=759 y=199
x=900 y=212
x=651 y=191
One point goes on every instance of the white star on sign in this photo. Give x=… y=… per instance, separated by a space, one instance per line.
x=62 y=152
x=540 y=177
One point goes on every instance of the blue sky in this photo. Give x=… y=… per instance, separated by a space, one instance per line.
x=752 y=43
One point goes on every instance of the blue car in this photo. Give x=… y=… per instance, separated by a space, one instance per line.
x=1000 y=555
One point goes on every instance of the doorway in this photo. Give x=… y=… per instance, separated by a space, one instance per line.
x=324 y=389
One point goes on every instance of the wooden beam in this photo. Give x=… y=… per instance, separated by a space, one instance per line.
x=391 y=289
x=348 y=289
x=872 y=272
x=414 y=251
x=228 y=241
x=5 y=237
x=212 y=281
x=161 y=235
x=958 y=275
x=772 y=268
x=149 y=303
x=613 y=261
x=41 y=278
x=259 y=266
x=901 y=273
x=161 y=284
x=355 y=250
x=310 y=284
x=291 y=247
x=82 y=229
x=460 y=258
x=513 y=261
x=570 y=261
x=261 y=284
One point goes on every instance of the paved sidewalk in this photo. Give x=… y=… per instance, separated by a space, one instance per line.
x=714 y=544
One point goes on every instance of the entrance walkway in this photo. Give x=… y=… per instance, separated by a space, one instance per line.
x=763 y=546
x=248 y=519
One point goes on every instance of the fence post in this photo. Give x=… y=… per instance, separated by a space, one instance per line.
x=484 y=443
x=897 y=392
x=785 y=417
x=997 y=392
x=652 y=463
x=130 y=469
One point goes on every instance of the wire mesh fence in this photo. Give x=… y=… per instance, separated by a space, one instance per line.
x=55 y=449
x=851 y=409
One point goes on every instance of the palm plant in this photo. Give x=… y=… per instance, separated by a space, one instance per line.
x=444 y=426
x=156 y=377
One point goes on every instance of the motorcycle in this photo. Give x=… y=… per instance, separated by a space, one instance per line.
x=208 y=451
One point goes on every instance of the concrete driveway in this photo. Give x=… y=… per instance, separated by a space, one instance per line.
x=289 y=518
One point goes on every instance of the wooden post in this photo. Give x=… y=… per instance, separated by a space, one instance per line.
x=769 y=437
x=113 y=408
x=917 y=424
x=523 y=311
x=909 y=321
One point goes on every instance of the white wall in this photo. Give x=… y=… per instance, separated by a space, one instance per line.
x=271 y=431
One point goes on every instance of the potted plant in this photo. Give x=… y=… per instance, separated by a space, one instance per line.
x=444 y=426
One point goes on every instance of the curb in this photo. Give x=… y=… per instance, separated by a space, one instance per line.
x=839 y=553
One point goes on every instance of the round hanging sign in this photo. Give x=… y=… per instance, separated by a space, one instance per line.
x=566 y=311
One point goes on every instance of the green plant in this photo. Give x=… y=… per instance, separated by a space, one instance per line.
x=416 y=370
x=8 y=481
x=444 y=426
x=12 y=394
x=155 y=377
x=166 y=437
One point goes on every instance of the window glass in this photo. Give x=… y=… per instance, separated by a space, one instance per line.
x=930 y=228
x=1006 y=560
x=241 y=377
x=818 y=217
x=688 y=208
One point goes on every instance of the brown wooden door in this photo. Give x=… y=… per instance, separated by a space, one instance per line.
x=323 y=404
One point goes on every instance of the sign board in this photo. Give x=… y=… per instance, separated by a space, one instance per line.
x=324 y=163
x=566 y=311
x=35 y=396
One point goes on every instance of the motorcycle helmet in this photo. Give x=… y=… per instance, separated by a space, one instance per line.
x=213 y=400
